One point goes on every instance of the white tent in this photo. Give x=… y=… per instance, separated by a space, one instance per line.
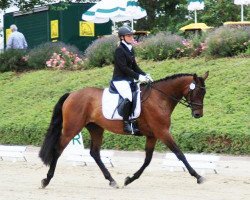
x=194 y=5
x=115 y=10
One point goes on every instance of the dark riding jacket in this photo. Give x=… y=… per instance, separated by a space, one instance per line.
x=126 y=67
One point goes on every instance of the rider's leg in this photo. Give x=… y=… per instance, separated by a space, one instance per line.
x=126 y=113
x=123 y=87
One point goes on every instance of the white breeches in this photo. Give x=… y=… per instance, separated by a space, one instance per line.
x=124 y=89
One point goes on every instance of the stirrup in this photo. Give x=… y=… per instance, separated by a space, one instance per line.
x=128 y=127
x=134 y=126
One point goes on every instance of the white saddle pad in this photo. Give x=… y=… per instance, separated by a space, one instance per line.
x=110 y=102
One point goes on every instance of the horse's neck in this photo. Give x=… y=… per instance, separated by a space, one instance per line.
x=175 y=88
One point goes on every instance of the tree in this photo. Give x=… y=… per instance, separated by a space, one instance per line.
x=29 y=4
x=22 y=4
x=162 y=14
x=217 y=12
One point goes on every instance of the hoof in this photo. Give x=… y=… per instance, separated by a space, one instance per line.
x=201 y=180
x=44 y=183
x=127 y=181
x=113 y=184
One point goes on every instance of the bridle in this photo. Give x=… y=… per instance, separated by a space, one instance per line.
x=184 y=101
x=191 y=104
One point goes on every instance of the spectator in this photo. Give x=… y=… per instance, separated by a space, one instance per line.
x=16 y=39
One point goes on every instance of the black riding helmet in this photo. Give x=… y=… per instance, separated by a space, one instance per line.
x=125 y=30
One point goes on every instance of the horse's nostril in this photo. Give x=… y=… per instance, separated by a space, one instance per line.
x=197 y=115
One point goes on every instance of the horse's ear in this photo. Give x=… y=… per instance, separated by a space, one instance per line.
x=195 y=77
x=205 y=75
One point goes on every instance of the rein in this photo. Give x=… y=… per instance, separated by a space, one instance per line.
x=183 y=101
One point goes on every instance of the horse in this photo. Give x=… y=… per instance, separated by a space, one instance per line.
x=83 y=108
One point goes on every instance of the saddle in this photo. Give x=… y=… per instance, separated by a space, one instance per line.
x=112 y=102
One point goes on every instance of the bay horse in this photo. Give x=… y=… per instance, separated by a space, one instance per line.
x=83 y=108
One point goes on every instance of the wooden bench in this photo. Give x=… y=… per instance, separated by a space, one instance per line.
x=15 y=152
x=197 y=161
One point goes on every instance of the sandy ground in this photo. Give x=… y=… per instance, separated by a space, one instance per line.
x=21 y=180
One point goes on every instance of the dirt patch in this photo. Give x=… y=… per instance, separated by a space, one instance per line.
x=21 y=180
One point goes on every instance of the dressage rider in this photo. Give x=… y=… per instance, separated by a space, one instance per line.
x=125 y=72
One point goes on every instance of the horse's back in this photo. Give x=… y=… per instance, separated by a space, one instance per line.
x=87 y=94
x=85 y=98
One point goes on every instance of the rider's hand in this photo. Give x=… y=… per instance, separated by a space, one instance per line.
x=143 y=79
x=149 y=77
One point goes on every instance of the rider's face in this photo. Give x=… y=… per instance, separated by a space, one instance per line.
x=129 y=38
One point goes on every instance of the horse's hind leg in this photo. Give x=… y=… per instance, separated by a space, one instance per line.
x=96 y=133
x=150 y=144
x=67 y=133
x=169 y=141
x=63 y=142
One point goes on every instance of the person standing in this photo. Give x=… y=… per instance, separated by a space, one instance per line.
x=125 y=72
x=16 y=39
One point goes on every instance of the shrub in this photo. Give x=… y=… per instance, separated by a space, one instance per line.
x=38 y=56
x=198 y=44
x=162 y=46
x=247 y=44
x=226 y=41
x=101 y=52
x=13 y=60
x=65 y=60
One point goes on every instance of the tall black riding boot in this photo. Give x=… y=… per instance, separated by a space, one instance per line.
x=127 y=127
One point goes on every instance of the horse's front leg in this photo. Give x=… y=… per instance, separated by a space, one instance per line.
x=150 y=144
x=169 y=141
x=96 y=133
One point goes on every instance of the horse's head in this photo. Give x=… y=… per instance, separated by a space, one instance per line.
x=195 y=95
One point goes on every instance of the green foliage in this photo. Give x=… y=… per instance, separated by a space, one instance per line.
x=28 y=5
x=226 y=41
x=163 y=45
x=101 y=51
x=198 y=39
x=13 y=60
x=248 y=48
x=27 y=102
x=38 y=56
x=216 y=13
x=171 y=15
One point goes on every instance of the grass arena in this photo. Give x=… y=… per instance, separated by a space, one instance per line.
x=21 y=180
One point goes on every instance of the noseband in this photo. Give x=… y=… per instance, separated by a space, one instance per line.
x=184 y=101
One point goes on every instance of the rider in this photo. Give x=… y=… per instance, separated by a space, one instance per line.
x=125 y=72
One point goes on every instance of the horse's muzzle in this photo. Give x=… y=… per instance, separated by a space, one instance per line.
x=197 y=114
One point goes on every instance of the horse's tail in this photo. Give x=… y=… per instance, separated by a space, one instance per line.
x=50 y=144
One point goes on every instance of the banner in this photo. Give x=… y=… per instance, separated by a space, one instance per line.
x=54 y=29
x=86 y=29
x=7 y=34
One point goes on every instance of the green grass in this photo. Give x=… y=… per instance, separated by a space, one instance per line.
x=27 y=101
